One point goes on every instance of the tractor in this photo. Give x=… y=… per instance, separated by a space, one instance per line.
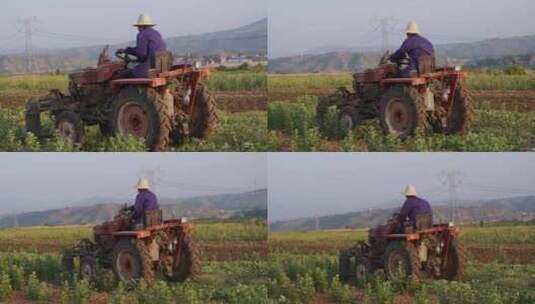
x=416 y=254
x=136 y=251
x=434 y=99
x=167 y=107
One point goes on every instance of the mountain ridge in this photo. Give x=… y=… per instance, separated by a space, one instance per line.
x=466 y=53
x=219 y=206
x=248 y=39
x=520 y=208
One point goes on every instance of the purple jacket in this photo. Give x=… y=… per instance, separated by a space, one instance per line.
x=145 y=201
x=415 y=46
x=414 y=206
x=148 y=43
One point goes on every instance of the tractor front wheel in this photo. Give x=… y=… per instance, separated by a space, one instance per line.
x=70 y=127
x=131 y=261
x=344 y=265
x=67 y=260
x=32 y=117
x=189 y=263
x=88 y=268
x=401 y=262
x=204 y=118
x=143 y=113
x=363 y=270
x=402 y=112
x=348 y=119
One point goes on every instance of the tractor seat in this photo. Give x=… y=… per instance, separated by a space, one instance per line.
x=426 y=64
x=423 y=221
x=163 y=61
x=153 y=218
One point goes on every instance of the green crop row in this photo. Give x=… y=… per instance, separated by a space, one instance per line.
x=218 y=81
x=305 y=279
x=42 y=278
x=471 y=235
x=234 y=81
x=54 y=239
x=235 y=132
x=492 y=131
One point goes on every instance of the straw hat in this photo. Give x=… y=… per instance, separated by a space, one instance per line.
x=144 y=20
x=143 y=184
x=410 y=190
x=413 y=28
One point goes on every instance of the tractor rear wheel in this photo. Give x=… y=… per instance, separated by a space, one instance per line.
x=455 y=266
x=462 y=112
x=344 y=265
x=70 y=127
x=401 y=261
x=204 y=118
x=189 y=263
x=131 y=261
x=402 y=112
x=143 y=113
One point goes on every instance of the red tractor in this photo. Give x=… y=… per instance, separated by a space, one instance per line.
x=169 y=106
x=427 y=253
x=157 y=247
x=433 y=99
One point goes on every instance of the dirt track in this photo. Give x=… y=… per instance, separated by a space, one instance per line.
x=513 y=100
x=242 y=101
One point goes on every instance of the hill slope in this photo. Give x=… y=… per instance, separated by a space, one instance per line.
x=249 y=39
x=506 y=209
x=215 y=206
x=491 y=52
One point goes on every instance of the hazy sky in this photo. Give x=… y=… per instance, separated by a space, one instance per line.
x=300 y=25
x=103 y=21
x=38 y=181
x=315 y=184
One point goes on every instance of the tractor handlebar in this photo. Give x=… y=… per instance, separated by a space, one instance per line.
x=127 y=58
x=125 y=212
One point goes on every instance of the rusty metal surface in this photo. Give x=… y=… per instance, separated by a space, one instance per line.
x=106 y=71
x=405 y=81
x=150 y=82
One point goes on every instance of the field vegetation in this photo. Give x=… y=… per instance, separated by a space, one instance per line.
x=304 y=269
x=240 y=130
x=30 y=268
x=504 y=120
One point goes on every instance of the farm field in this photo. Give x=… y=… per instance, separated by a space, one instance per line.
x=501 y=269
x=504 y=121
x=234 y=259
x=241 y=99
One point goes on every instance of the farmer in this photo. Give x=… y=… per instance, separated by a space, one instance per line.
x=414 y=47
x=416 y=209
x=146 y=200
x=149 y=42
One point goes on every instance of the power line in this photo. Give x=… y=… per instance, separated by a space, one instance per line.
x=28 y=28
x=452 y=182
x=385 y=25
